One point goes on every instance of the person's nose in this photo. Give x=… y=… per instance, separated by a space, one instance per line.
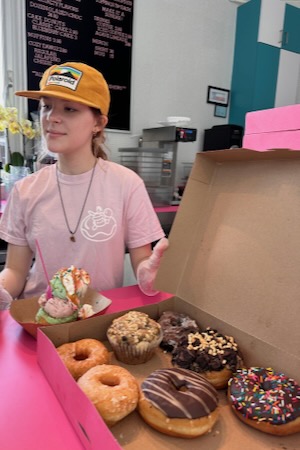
x=53 y=115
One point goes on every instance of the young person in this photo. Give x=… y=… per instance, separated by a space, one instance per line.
x=84 y=210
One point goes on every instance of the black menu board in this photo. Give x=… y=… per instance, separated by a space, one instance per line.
x=96 y=32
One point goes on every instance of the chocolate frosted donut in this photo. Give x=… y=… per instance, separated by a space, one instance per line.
x=210 y=353
x=266 y=400
x=175 y=327
x=180 y=393
x=178 y=402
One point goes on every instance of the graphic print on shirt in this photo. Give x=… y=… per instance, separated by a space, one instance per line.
x=99 y=225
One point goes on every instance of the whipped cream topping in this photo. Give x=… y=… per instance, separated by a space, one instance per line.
x=86 y=311
x=71 y=283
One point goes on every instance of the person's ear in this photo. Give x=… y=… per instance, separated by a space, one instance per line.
x=103 y=121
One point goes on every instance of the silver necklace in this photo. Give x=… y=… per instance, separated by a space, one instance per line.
x=72 y=233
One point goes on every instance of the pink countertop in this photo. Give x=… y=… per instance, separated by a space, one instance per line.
x=166 y=209
x=31 y=416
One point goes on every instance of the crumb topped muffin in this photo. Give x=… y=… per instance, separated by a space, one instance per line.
x=134 y=337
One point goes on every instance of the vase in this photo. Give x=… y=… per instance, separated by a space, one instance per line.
x=9 y=178
x=18 y=172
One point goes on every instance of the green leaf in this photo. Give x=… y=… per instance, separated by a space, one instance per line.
x=17 y=159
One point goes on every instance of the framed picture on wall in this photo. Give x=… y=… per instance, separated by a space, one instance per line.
x=220 y=111
x=218 y=96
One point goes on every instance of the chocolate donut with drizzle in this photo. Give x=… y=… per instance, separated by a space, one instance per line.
x=178 y=402
x=266 y=400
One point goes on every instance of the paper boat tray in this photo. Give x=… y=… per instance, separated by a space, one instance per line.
x=24 y=311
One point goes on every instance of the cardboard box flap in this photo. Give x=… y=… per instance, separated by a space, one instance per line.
x=74 y=331
x=82 y=415
x=235 y=243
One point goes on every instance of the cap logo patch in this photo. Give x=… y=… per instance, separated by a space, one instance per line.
x=64 y=76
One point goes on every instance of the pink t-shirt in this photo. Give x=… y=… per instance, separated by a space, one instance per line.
x=118 y=214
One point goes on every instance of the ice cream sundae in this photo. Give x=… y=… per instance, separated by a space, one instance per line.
x=63 y=300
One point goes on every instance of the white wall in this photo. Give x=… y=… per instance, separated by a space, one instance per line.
x=179 y=48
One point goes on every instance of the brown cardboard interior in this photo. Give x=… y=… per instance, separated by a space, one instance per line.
x=232 y=264
x=235 y=250
x=24 y=311
x=132 y=433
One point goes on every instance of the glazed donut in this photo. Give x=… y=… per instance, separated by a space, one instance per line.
x=81 y=355
x=178 y=402
x=212 y=354
x=266 y=400
x=112 y=390
x=175 y=326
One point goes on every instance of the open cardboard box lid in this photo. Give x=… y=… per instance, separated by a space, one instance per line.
x=24 y=311
x=235 y=251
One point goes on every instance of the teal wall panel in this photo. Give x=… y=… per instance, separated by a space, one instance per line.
x=291 y=36
x=266 y=77
x=243 y=73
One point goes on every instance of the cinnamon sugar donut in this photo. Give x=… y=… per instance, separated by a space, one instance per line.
x=178 y=402
x=266 y=400
x=81 y=355
x=212 y=354
x=175 y=326
x=112 y=390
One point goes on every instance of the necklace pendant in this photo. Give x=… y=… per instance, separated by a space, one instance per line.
x=72 y=233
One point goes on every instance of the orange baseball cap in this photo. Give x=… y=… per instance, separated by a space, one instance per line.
x=73 y=81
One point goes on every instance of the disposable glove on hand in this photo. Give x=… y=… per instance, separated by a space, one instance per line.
x=5 y=298
x=147 y=269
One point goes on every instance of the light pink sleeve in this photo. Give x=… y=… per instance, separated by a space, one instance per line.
x=143 y=226
x=12 y=226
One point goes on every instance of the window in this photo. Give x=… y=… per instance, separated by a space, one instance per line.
x=1 y=56
x=13 y=52
x=12 y=58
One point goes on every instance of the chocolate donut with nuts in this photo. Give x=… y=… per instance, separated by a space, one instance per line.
x=210 y=353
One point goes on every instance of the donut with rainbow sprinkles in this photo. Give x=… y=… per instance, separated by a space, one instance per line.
x=266 y=400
